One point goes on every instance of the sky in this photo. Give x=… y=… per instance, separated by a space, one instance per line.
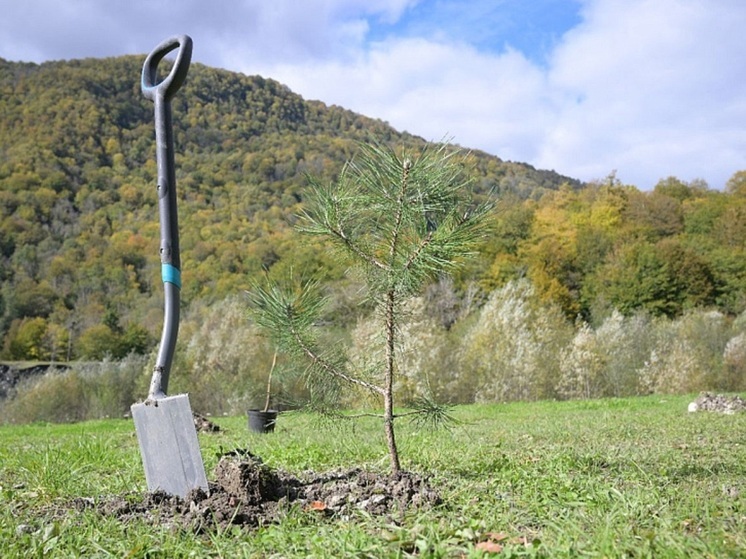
x=645 y=89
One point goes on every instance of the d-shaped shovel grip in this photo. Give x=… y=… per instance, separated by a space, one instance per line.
x=171 y=84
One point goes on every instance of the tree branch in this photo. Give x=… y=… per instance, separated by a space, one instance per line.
x=409 y=413
x=357 y=251
x=399 y=210
x=328 y=367
x=362 y=414
x=413 y=257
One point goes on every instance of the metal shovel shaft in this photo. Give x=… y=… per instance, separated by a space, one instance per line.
x=161 y=94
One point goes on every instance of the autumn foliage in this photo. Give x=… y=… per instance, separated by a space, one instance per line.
x=579 y=290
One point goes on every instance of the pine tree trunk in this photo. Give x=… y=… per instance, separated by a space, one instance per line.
x=388 y=392
x=388 y=420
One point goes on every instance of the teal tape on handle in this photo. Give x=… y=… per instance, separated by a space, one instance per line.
x=171 y=274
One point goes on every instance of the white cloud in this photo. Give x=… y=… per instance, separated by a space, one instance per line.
x=312 y=32
x=434 y=89
x=650 y=88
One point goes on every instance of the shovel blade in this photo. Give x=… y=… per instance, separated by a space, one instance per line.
x=169 y=446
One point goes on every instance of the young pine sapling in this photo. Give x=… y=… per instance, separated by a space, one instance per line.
x=403 y=220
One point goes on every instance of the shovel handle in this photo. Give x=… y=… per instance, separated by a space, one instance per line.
x=168 y=87
x=161 y=93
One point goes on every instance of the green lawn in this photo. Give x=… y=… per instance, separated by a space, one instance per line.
x=636 y=477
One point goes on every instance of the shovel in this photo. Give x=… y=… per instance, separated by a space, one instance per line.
x=164 y=424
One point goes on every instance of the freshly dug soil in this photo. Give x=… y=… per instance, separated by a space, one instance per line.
x=204 y=425
x=247 y=493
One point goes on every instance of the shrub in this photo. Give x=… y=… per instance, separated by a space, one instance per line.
x=86 y=391
x=604 y=362
x=688 y=354
x=225 y=358
x=512 y=350
x=581 y=366
x=734 y=364
x=624 y=342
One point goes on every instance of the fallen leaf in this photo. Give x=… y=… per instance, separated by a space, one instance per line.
x=489 y=547
x=496 y=536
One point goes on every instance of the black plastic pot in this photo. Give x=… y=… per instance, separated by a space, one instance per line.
x=262 y=421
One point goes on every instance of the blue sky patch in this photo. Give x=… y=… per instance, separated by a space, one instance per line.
x=531 y=27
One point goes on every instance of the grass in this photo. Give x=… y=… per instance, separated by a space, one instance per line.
x=636 y=477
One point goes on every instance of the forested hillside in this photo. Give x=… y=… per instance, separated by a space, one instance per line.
x=580 y=290
x=79 y=219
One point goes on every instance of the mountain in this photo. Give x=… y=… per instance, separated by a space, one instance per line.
x=79 y=219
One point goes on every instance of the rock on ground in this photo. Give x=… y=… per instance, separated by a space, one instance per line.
x=718 y=403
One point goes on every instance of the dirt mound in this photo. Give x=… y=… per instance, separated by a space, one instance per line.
x=248 y=493
x=718 y=403
x=204 y=425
